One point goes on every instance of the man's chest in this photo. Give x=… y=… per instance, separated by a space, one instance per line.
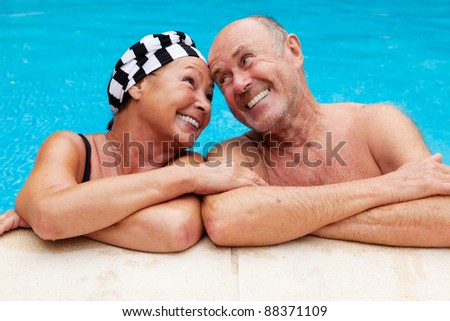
x=320 y=169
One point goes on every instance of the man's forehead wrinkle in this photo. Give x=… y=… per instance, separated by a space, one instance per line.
x=221 y=52
x=215 y=64
x=215 y=72
x=237 y=51
x=234 y=53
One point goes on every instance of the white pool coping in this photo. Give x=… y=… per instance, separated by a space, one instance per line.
x=306 y=269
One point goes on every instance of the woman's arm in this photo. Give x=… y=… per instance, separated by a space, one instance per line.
x=167 y=227
x=56 y=206
x=171 y=226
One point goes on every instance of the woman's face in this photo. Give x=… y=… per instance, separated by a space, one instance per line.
x=176 y=100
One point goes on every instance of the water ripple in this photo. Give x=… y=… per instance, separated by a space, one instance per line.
x=24 y=14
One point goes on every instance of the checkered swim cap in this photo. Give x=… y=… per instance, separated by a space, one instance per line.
x=144 y=57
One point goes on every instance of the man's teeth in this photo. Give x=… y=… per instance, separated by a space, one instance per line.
x=258 y=98
x=189 y=120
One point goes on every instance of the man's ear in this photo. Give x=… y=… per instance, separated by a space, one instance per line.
x=295 y=48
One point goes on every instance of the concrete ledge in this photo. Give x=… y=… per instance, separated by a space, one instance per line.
x=306 y=269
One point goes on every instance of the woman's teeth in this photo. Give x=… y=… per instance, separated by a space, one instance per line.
x=189 y=120
x=258 y=98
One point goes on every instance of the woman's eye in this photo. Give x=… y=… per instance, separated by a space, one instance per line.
x=189 y=80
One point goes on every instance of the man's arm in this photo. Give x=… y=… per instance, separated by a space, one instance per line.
x=394 y=141
x=417 y=223
x=273 y=214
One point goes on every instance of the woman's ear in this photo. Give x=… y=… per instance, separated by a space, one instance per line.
x=295 y=48
x=135 y=91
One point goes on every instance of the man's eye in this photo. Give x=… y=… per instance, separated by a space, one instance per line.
x=224 y=80
x=245 y=60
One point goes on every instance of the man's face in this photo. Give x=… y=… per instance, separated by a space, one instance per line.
x=258 y=81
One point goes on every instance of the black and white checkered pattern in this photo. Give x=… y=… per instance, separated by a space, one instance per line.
x=144 y=57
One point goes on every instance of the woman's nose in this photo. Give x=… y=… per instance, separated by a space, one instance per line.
x=203 y=104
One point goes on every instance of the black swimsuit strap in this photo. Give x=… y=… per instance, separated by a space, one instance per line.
x=87 y=166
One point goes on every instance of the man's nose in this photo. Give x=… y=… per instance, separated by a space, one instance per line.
x=241 y=81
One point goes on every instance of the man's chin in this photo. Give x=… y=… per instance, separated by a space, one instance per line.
x=263 y=126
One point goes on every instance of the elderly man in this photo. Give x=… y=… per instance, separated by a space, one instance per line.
x=345 y=171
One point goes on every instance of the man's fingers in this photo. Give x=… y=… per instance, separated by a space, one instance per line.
x=436 y=157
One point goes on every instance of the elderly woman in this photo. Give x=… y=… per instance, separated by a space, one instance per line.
x=136 y=186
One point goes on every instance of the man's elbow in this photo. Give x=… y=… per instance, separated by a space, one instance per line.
x=216 y=224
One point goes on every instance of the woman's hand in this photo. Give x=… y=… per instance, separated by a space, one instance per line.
x=216 y=177
x=11 y=220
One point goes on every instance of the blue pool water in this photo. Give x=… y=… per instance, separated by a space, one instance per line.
x=56 y=58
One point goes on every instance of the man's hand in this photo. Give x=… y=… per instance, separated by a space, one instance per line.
x=417 y=180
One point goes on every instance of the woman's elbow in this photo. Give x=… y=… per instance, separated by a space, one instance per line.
x=41 y=219
x=46 y=229
x=185 y=230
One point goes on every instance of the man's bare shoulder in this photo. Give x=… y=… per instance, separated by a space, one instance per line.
x=383 y=115
x=235 y=140
x=382 y=108
x=392 y=137
x=368 y=116
x=360 y=109
x=231 y=148
x=242 y=150
x=373 y=110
